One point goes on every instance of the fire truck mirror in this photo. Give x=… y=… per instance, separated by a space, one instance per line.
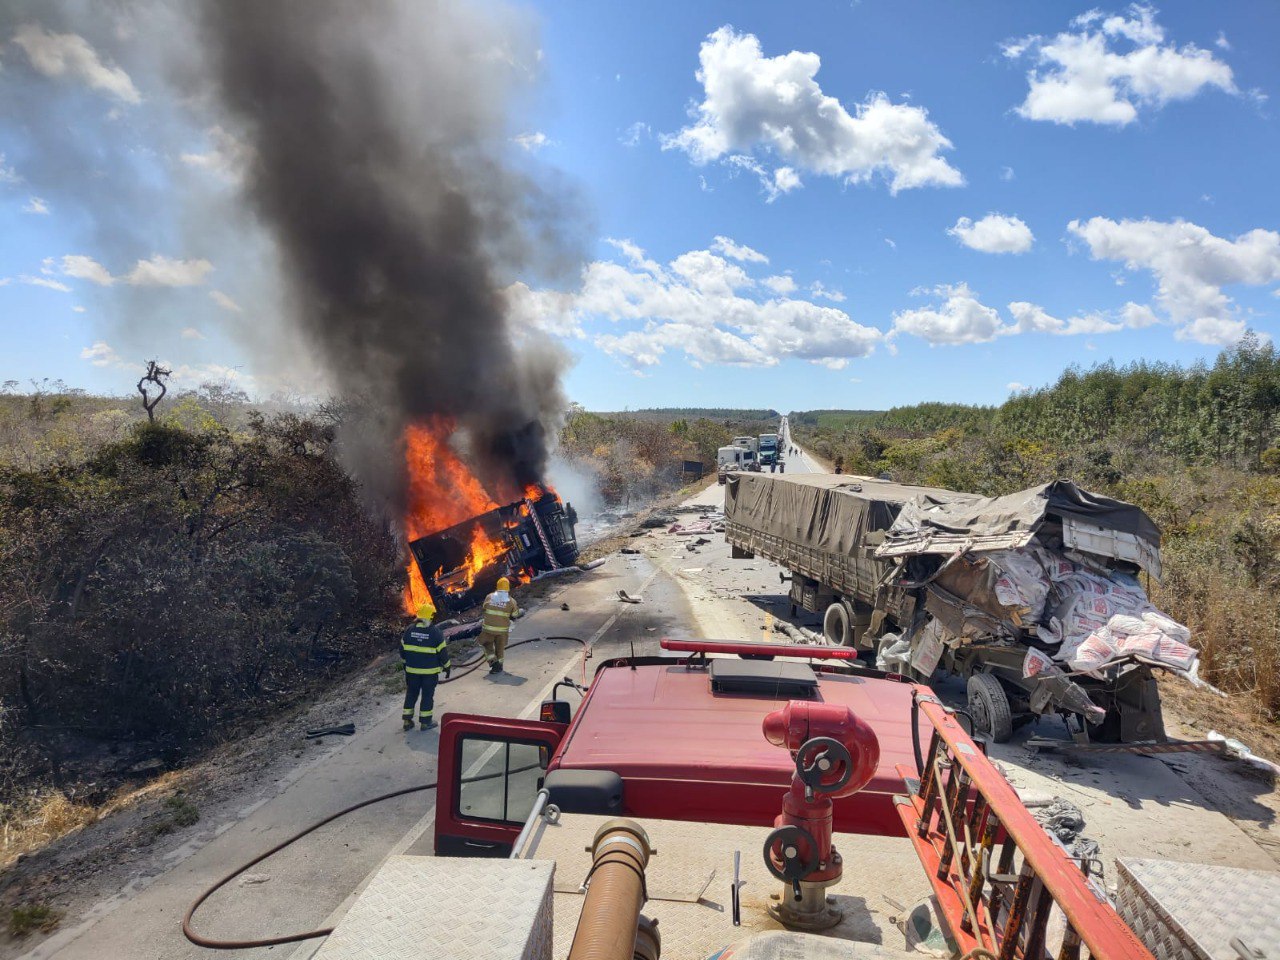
x=555 y=711
x=500 y=779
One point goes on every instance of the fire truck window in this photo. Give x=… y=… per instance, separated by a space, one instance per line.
x=500 y=780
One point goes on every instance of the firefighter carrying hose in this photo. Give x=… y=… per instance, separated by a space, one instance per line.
x=426 y=655
x=499 y=610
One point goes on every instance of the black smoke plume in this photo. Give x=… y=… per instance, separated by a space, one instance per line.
x=383 y=168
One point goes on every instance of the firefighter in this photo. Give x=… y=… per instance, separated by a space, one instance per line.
x=426 y=655
x=499 y=610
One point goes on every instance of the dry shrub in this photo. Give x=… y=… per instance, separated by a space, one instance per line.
x=27 y=827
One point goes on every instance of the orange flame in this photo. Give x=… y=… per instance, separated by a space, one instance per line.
x=442 y=493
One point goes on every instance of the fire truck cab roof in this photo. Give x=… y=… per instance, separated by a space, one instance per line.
x=686 y=739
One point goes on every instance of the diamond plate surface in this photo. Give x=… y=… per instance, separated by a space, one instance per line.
x=1190 y=911
x=424 y=908
x=882 y=879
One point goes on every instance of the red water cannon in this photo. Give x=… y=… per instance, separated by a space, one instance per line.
x=836 y=755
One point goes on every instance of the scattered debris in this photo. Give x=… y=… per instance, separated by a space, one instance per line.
x=564 y=606
x=629 y=550
x=341 y=730
x=797 y=634
x=253 y=879
x=627 y=598
x=1238 y=750
x=657 y=521
x=1063 y=820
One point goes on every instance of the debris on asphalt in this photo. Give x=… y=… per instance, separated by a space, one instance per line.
x=341 y=730
x=627 y=598
x=252 y=879
x=1239 y=751
x=564 y=606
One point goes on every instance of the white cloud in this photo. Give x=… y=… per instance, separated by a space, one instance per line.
x=191 y=333
x=1032 y=318
x=69 y=54
x=635 y=133
x=737 y=251
x=774 y=104
x=45 y=282
x=548 y=310
x=700 y=305
x=818 y=290
x=1006 y=173
x=86 y=268
x=531 y=142
x=1013 y=386
x=1216 y=331
x=228 y=157
x=994 y=233
x=5 y=281
x=7 y=173
x=889 y=242
x=780 y=284
x=36 y=205
x=1222 y=43
x=77 y=309
x=1190 y=265
x=961 y=318
x=1084 y=75
x=102 y=354
x=160 y=271
x=224 y=301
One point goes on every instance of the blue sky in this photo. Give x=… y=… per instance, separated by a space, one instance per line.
x=855 y=205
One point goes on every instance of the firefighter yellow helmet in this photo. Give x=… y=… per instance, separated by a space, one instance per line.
x=504 y=583
x=426 y=611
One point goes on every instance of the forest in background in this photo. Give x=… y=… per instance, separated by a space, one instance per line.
x=1197 y=447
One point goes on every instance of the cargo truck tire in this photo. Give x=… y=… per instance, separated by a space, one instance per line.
x=989 y=707
x=835 y=625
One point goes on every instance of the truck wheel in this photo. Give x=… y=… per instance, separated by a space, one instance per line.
x=835 y=625
x=989 y=707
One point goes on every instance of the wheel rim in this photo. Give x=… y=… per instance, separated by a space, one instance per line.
x=981 y=716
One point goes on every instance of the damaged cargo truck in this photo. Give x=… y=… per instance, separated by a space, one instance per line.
x=1035 y=598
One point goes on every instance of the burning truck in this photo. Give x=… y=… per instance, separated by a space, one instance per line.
x=461 y=540
x=458 y=566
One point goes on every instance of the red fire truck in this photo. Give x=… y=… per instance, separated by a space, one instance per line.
x=756 y=801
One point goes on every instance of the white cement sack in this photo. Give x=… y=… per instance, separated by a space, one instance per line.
x=1022 y=583
x=1035 y=663
x=894 y=653
x=1123 y=625
x=1094 y=652
x=1167 y=625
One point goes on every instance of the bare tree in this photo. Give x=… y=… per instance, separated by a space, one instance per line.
x=156 y=375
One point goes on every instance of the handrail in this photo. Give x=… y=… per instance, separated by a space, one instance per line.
x=968 y=824
x=755 y=648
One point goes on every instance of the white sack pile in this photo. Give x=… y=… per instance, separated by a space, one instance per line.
x=1093 y=619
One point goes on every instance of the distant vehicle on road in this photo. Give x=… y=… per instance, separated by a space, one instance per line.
x=730 y=460
x=768 y=449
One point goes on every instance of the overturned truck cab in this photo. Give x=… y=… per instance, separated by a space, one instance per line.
x=1034 y=598
x=461 y=564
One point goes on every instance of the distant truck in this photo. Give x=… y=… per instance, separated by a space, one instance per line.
x=830 y=532
x=730 y=460
x=768 y=449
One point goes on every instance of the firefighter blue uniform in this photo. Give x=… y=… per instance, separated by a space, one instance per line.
x=426 y=655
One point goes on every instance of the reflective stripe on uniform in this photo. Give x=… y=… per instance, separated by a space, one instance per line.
x=423 y=670
x=411 y=648
x=491 y=612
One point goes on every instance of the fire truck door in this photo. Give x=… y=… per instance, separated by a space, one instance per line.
x=490 y=772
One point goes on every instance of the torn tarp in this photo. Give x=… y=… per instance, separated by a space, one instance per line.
x=956 y=523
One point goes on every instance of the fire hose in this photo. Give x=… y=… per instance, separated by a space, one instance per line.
x=208 y=942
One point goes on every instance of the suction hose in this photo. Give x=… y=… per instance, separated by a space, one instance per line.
x=210 y=943
x=615 y=893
